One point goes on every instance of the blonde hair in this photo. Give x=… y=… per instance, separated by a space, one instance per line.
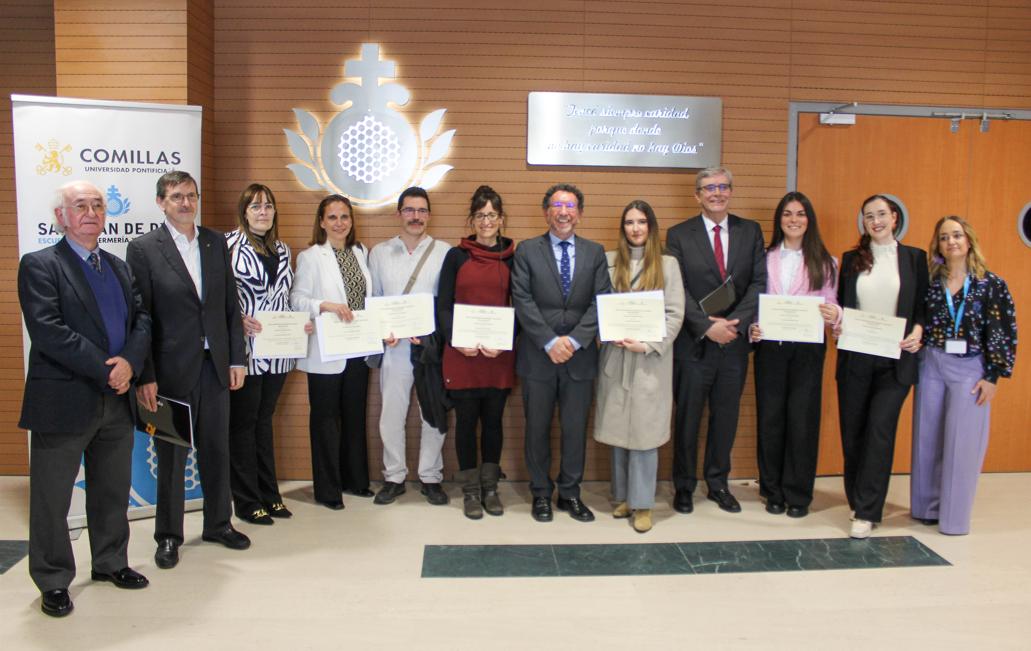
x=975 y=259
x=651 y=266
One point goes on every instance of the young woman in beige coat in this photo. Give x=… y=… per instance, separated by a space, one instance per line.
x=635 y=385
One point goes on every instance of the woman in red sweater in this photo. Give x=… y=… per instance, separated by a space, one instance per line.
x=478 y=380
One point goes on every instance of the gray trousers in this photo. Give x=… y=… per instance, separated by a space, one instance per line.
x=633 y=476
x=107 y=447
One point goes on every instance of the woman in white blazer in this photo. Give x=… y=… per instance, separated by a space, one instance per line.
x=333 y=276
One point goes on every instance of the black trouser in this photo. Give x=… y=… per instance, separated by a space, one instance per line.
x=487 y=409
x=788 y=383
x=339 y=448
x=252 y=459
x=209 y=404
x=574 y=403
x=106 y=445
x=869 y=402
x=716 y=379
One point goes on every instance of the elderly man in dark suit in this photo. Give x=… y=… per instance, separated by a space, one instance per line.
x=197 y=356
x=711 y=352
x=555 y=279
x=89 y=336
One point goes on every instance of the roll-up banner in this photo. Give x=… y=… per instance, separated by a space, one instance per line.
x=122 y=148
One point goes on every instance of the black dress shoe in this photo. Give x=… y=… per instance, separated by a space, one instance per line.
x=167 y=555
x=126 y=578
x=335 y=506
x=930 y=522
x=390 y=492
x=56 y=603
x=258 y=516
x=359 y=492
x=725 y=500
x=683 y=502
x=541 y=511
x=279 y=510
x=434 y=494
x=577 y=509
x=798 y=511
x=229 y=537
x=776 y=508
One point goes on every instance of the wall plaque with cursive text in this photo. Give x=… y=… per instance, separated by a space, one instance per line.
x=599 y=129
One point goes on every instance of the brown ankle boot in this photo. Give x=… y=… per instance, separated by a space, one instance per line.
x=470 y=481
x=489 y=474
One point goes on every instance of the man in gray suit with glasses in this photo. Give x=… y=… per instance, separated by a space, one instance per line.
x=555 y=279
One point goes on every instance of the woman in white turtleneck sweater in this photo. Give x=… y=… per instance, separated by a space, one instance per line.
x=885 y=277
x=635 y=385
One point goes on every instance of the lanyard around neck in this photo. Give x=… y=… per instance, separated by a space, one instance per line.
x=957 y=314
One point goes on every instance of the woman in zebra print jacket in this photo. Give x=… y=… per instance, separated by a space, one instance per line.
x=261 y=264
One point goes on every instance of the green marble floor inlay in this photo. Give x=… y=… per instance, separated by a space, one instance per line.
x=458 y=561
x=11 y=553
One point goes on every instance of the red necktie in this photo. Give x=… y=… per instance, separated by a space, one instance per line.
x=717 y=247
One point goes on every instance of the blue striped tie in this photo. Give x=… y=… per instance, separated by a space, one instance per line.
x=564 y=271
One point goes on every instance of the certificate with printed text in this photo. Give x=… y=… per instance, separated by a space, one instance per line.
x=873 y=334
x=346 y=339
x=482 y=325
x=791 y=318
x=282 y=335
x=408 y=315
x=632 y=315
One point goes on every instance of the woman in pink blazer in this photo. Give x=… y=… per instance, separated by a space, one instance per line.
x=789 y=375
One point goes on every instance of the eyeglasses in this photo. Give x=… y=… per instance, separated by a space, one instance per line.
x=486 y=217
x=408 y=211
x=81 y=207
x=559 y=205
x=178 y=197
x=712 y=187
x=258 y=207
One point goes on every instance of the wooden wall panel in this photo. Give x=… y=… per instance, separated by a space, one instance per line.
x=26 y=47
x=100 y=45
x=479 y=59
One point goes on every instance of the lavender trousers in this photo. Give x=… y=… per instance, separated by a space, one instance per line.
x=950 y=436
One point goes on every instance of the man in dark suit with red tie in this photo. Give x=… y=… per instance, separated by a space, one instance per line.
x=197 y=356
x=89 y=337
x=711 y=352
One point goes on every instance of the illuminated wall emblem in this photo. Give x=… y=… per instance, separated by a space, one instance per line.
x=369 y=151
x=116 y=204
x=53 y=159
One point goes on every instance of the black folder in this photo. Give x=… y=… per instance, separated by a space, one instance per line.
x=719 y=300
x=171 y=422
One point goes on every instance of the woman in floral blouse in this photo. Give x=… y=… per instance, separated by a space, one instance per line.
x=970 y=342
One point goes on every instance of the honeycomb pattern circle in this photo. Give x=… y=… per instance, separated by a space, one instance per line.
x=192 y=474
x=369 y=150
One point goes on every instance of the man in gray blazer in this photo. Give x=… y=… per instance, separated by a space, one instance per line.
x=711 y=352
x=197 y=355
x=555 y=279
x=89 y=337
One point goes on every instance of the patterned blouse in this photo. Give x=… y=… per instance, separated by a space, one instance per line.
x=354 y=280
x=989 y=323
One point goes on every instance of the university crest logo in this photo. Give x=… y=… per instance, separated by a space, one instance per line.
x=369 y=151
x=53 y=158
x=117 y=205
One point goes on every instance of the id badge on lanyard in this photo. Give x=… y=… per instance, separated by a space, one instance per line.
x=954 y=345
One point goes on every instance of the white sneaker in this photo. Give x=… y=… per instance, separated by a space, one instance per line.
x=861 y=529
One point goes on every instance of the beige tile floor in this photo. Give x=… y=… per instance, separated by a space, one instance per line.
x=351 y=580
